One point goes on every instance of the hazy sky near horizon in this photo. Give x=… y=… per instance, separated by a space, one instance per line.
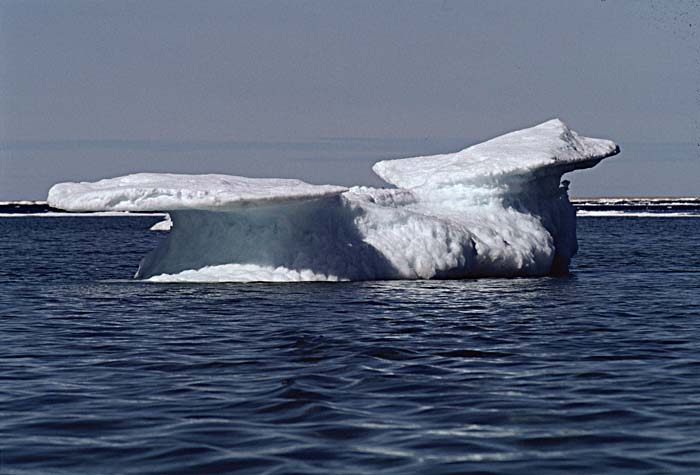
x=319 y=90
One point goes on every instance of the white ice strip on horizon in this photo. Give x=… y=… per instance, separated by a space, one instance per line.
x=635 y=214
x=495 y=209
x=22 y=203
x=95 y=214
x=640 y=201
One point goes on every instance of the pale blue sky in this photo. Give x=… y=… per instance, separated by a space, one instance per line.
x=321 y=90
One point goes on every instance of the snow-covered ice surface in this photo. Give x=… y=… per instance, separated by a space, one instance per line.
x=167 y=191
x=50 y=214
x=549 y=146
x=493 y=209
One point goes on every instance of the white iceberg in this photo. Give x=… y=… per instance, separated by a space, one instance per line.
x=493 y=209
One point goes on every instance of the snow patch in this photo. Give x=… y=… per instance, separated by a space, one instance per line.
x=164 y=225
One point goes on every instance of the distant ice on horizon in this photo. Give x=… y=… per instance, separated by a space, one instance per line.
x=492 y=209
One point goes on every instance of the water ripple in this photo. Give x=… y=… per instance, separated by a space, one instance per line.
x=597 y=372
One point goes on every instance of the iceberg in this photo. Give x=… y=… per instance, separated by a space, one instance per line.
x=497 y=209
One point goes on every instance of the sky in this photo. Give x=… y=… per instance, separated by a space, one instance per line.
x=320 y=90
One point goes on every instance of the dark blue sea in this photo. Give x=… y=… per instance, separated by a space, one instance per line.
x=597 y=372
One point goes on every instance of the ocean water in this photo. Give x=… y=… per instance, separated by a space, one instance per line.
x=596 y=372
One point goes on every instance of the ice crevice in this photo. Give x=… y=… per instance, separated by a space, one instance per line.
x=493 y=209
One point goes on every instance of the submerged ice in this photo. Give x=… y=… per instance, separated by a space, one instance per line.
x=493 y=209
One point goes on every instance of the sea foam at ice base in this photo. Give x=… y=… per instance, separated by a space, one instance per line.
x=493 y=209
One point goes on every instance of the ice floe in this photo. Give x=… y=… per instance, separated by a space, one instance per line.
x=493 y=209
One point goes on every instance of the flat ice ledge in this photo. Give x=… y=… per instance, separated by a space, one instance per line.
x=167 y=191
x=550 y=145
